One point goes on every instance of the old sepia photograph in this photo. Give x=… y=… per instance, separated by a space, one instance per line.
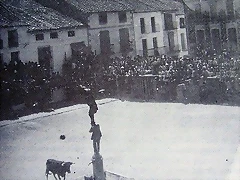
x=120 y=89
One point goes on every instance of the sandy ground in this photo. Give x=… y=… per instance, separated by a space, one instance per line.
x=140 y=140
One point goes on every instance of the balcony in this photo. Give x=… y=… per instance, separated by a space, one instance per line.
x=149 y=29
x=171 y=26
x=153 y=51
x=174 y=49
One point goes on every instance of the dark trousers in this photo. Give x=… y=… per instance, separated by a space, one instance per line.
x=96 y=146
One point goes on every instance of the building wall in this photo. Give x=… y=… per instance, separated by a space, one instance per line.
x=178 y=49
x=205 y=4
x=179 y=32
x=28 y=46
x=149 y=35
x=23 y=42
x=113 y=25
x=214 y=23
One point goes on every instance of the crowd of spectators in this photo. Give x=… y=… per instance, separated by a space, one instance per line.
x=32 y=84
x=178 y=69
x=28 y=83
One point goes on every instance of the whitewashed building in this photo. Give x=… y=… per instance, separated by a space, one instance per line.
x=159 y=28
x=32 y=32
x=110 y=26
x=133 y=27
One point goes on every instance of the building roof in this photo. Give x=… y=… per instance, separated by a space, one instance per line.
x=93 y=6
x=33 y=15
x=10 y=16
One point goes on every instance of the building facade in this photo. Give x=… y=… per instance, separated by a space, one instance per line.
x=214 y=25
x=111 y=32
x=116 y=26
x=157 y=28
x=27 y=35
x=109 y=22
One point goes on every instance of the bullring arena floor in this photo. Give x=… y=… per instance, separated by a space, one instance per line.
x=140 y=140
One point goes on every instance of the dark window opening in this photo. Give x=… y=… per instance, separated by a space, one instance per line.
x=206 y=16
x=192 y=35
x=54 y=35
x=198 y=13
x=200 y=39
x=153 y=24
x=122 y=16
x=105 y=44
x=142 y=24
x=182 y=23
x=103 y=18
x=39 y=37
x=230 y=9
x=216 y=40
x=45 y=58
x=15 y=56
x=144 y=46
x=13 y=38
x=1 y=43
x=232 y=39
x=155 y=46
x=71 y=33
x=213 y=12
x=168 y=21
x=171 y=41
x=124 y=40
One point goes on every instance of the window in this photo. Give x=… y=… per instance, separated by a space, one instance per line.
x=153 y=24
x=198 y=13
x=192 y=34
x=105 y=44
x=103 y=18
x=155 y=46
x=1 y=43
x=168 y=20
x=54 y=35
x=216 y=40
x=232 y=39
x=39 y=37
x=71 y=33
x=13 y=38
x=122 y=17
x=213 y=12
x=144 y=46
x=15 y=56
x=142 y=24
x=200 y=34
x=230 y=9
x=183 y=42
x=182 y=23
x=124 y=39
x=45 y=58
x=171 y=41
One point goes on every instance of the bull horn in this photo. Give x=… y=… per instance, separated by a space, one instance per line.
x=72 y=163
x=63 y=163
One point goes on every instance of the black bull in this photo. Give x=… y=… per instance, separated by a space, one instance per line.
x=59 y=168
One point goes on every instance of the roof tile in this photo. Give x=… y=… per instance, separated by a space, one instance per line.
x=34 y=15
